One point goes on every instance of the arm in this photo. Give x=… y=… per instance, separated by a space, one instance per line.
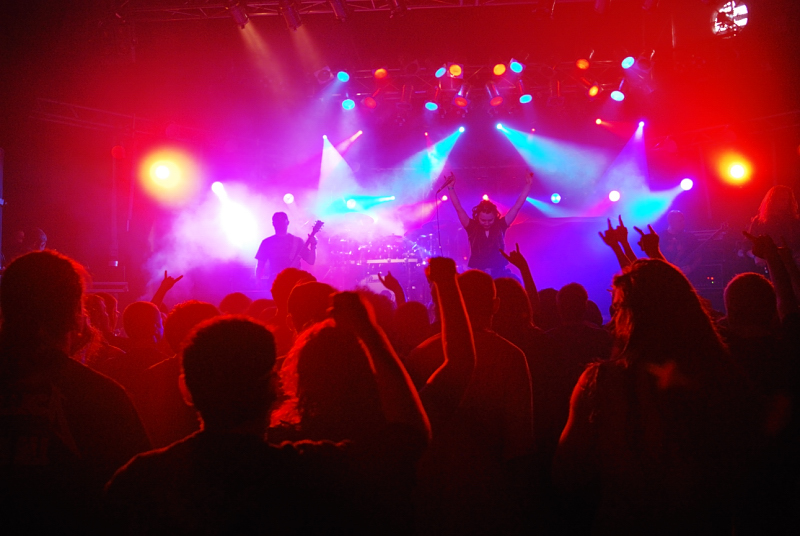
x=309 y=254
x=611 y=238
x=516 y=258
x=392 y=284
x=260 y=269
x=514 y=210
x=446 y=387
x=166 y=284
x=399 y=399
x=622 y=236
x=451 y=193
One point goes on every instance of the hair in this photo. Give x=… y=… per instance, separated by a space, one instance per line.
x=548 y=317
x=139 y=320
x=750 y=301
x=593 y=314
x=284 y=282
x=235 y=303
x=309 y=303
x=572 y=300
x=40 y=298
x=281 y=215
x=659 y=316
x=111 y=307
x=514 y=312
x=337 y=394
x=486 y=207
x=779 y=203
x=227 y=364
x=183 y=318
x=479 y=292
x=95 y=307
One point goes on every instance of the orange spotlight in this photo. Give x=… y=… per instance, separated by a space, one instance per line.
x=594 y=90
x=582 y=64
x=380 y=73
x=598 y=121
x=499 y=69
x=455 y=70
x=734 y=169
x=169 y=175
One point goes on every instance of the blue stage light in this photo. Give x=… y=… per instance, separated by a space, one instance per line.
x=432 y=106
x=617 y=95
x=343 y=76
x=628 y=62
x=348 y=104
x=555 y=198
x=525 y=99
x=461 y=129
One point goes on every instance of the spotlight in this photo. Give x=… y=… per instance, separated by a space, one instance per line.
x=628 y=62
x=217 y=188
x=555 y=198
x=495 y=98
x=397 y=8
x=598 y=121
x=686 y=184
x=461 y=129
x=239 y=13
x=499 y=126
x=161 y=172
x=736 y=171
x=288 y=199
x=613 y=196
x=351 y=204
x=348 y=104
x=460 y=99
x=324 y=137
x=343 y=76
x=485 y=197
x=441 y=71
x=593 y=91
x=524 y=96
x=380 y=73
x=324 y=75
x=641 y=124
x=515 y=66
x=582 y=64
x=432 y=103
x=426 y=134
x=499 y=69
x=370 y=101
x=455 y=70
x=339 y=8
x=444 y=198
x=617 y=95
x=290 y=14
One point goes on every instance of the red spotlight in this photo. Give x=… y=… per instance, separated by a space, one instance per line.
x=495 y=98
x=460 y=99
x=380 y=73
x=370 y=102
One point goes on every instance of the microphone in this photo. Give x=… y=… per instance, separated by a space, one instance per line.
x=450 y=180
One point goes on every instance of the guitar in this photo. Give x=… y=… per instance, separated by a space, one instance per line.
x=314 y=230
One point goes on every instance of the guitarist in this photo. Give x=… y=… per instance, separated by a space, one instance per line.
x=679 y=246
x=282 y=250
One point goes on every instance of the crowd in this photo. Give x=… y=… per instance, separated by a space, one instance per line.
x=508 y=410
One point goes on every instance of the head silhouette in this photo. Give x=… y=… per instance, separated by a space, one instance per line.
x=750 y=301
x=480 y=297
x=227 y=364
x=572 y=301
x=183 y=318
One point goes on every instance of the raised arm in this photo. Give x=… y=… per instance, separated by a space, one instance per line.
x=166 y=284
x=451 y=193
x=649 y=243
x=515 y=208
x=399 y=399
x=392 y=284
x=622 y=236
x=517 y=259
x=611 y=238
x=445 y=388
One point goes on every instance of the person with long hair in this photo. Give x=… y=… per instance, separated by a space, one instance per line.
x=778 y=216
x=656 y=438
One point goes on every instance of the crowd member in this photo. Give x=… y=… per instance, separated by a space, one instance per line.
x=164 y=412
x=467 y=476
x=64 y=428
x=659 y=436
x=779 y=218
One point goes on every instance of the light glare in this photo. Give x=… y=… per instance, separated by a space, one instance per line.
x=686 y=184
x=613 y=196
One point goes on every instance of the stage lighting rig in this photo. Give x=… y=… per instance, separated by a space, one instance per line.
x=238 y=11
x=324 y=75
x=397 y=8
x=339 y=8
x=495 y=98
x=729 y=19
x=290 y=14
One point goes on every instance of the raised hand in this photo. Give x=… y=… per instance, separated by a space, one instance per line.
x=390 y=281
x=649 y=242
x=610 y=236
x=168 y=282
x=622 y=231
x=516 y=258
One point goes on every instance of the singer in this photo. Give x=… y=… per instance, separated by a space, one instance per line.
x=486 y=229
